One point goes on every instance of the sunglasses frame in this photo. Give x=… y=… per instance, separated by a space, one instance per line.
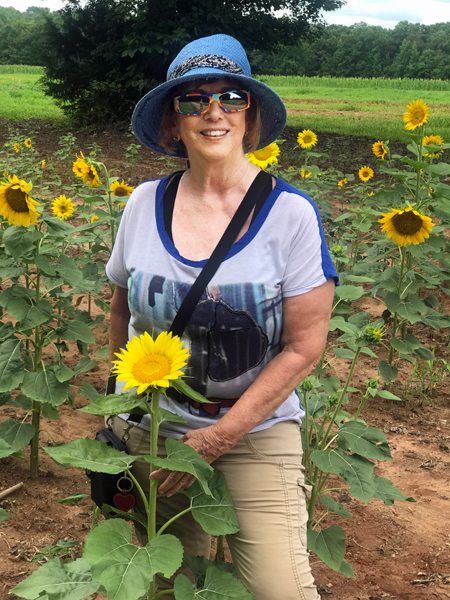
x=212 y=98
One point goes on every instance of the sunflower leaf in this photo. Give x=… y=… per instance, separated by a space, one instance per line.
x=218 y=585
x=12 y=370
x=115 y=404
x=181 y=386
x=43 y=386
x=74 y=331
x=92 y=455
x=181 y=457
x=16 y=434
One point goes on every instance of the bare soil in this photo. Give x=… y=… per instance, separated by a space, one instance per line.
x=401 y=552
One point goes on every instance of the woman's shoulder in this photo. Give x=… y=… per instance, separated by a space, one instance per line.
x=293 y=201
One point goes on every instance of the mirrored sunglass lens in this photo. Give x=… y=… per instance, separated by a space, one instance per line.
x=234 y=100
x=194 y=103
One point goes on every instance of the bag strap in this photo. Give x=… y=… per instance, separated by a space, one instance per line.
x=256 y=195
x=191 y=299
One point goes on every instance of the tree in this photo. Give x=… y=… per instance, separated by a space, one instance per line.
x=102 y=54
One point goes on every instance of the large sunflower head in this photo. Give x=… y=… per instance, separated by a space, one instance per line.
x=433 y=139
x=379 y=150
x=151 y=363
x=365 y=173
x=121 y=189
x=91 y=177
x=307 y=138
x=27 y=143
x=80 y=166
x=16 y=147
x=15 y=203
x=406 y=226
x=416 y=114
x=342 y=181
x=63 y=208
x=264 y=157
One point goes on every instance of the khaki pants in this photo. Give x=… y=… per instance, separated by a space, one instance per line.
x=265 y=479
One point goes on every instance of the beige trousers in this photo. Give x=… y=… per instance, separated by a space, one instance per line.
x=264 y=475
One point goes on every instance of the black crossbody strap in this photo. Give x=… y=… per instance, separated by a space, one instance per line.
x=191 y=299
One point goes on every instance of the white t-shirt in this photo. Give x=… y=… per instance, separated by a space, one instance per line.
x=236 y=327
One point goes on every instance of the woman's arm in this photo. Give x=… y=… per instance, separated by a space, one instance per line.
x=305 y=328
x=120 y=317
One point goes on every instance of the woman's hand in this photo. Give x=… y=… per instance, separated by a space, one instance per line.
x=207 y=443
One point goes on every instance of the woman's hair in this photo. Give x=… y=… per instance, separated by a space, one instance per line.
x=173 y=146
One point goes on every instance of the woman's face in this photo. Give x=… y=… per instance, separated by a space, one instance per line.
x=216 y=134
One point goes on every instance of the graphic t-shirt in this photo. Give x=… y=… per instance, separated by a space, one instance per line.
x=236 y=327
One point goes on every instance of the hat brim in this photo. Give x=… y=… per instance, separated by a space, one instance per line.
x=147 y=115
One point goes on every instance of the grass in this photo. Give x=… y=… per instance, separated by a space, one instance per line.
x=29 y=69
x=357 y=82
x=22 y=98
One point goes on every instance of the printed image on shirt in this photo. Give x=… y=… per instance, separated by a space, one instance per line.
x=234 y=329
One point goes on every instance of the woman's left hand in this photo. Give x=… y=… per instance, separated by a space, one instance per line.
x=207 y=443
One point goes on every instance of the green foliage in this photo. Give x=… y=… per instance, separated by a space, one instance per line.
x=218 y=584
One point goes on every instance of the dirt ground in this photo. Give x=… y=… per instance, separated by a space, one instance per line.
x=401 y=552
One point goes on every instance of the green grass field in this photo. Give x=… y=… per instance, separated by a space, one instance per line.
x=22 y=97
x=359 y=107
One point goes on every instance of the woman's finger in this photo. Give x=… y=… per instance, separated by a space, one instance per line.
x=181 y=484
x=171 y=481
x=159 y=474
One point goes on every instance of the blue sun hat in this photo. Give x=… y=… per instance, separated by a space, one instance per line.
x=212 y=57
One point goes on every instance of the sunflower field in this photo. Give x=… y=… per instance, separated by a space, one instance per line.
x=388 y=233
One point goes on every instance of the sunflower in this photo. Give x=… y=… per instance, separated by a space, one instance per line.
x=433 y=139
x=379 y=150
x=370 y=193
x=16 y=147
x=94 y=218
x=307 y=138
x=147 y=362
x=264 y=157
x=15 y=203
x=121 y=189
x=343 y=181
x=42 y=164
x=80 y=166
x=92 y=177
x=121 y=204
x=305 y=174
x=87 y=172
x=416 y=115
x=63 y=208
x=365 y=173
x=373 y=334
x=27 y=143
x=406 y=226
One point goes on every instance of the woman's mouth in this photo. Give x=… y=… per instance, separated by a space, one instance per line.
x=214 y=132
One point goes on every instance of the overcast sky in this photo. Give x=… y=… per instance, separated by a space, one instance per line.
x=386 y=13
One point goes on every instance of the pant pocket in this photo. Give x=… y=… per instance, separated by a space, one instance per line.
x=304 y=494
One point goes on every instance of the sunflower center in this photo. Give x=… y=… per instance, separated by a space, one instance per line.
x=151 y=368
x=263 y=153
x=418 y=116
x=120 y=191
x=407 y=223
x=16 y=199
x=307 y=139
x=92 y=174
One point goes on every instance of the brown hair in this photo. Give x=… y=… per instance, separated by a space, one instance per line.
x=173 y=146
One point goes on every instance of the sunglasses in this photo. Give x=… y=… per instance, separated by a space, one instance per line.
x=198 y=104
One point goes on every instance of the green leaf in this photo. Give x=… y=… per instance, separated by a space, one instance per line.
x=84 y=364
x=71 y=581
x=44 y=264
x=181 y=386
x=199 y=565
x=400 y=346
x=412 y=342
x=73 y=499
x=315 y=403
x=16 y=434
x=436 y=320
x=339 y=323
x=43 y=386
x=166 y=415
x=50 y=412
x=409 y=312
x=5 y=449
x=355 y=470
x=214 y=512
x=358 y=279
x=29 y=314
x=363 y=440
x=68 y=270
x=219 y=585
x=21 y=401
x=418 y=303
x=349 y=292
x=76 y=331
x=387 y=395
x=181 y=457
x=18 y=241
x=438 y=169
x=124 y=569
x=89 y=392
x=4 y=514
x=115 y=404
x=387 y=492
x=344 y=353
x=387 y=371
x=347 y=569
x=335 y=507
x=92 y=455
x=424 y=353
x=392 y=302
x=103 y=352
x=328 y=544
x=62 y=372
x=12 y=371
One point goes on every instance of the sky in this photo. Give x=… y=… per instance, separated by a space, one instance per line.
x=386 y=13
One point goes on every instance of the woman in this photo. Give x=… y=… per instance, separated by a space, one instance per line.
x=258 y=330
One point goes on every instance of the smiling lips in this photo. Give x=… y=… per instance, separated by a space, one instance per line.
x=214 y=132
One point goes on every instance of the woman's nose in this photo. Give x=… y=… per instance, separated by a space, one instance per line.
x=214 y=110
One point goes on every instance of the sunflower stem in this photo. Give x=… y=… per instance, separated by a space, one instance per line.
x=154 y=427
x=399 y=288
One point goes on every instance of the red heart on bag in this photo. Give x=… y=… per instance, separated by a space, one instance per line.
x=124 y=502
